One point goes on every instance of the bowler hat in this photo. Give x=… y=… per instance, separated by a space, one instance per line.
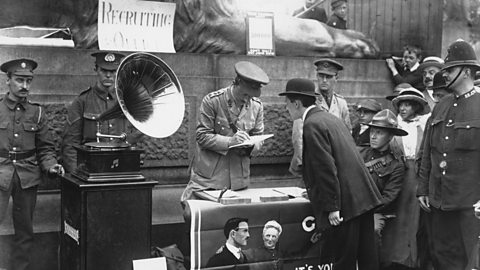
x=460 y=53
x=369 y=105
x=300 y=86
x=398 y=89
x=412 y=94
x=328 y=66
x=19 y=67
x=439 y=81
x=386 y=119
x=431 y=61
x=251 y=72
x=336 y=3
x=108 y=60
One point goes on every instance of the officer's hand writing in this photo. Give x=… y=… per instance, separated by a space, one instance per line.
x=424 y=203
x=238 y=138
x=57 y=169
x=335 y=218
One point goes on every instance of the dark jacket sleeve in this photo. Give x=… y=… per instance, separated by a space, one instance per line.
x=324 y=188
x=425 y=165
x=393 y=185
x=44 y=143
x=72 y=135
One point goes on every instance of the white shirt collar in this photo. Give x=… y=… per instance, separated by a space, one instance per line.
x=414 y=67
x=234 y=250
x=306 y=111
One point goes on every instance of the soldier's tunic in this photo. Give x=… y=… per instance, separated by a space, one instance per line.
x=26 y=148
x=215 y=165
x=81 y=125
x=338 y=107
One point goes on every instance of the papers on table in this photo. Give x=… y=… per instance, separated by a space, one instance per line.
x=253 y=140
x=292 y=192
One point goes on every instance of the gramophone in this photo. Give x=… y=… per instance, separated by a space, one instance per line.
x=149 y=95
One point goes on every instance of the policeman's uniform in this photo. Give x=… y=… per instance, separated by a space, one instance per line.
x=215 y=165
x=26 y=148
x=83 y=114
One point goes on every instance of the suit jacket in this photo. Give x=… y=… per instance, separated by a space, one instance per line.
x=361 y=139
x=224 y=258
x=333 y=170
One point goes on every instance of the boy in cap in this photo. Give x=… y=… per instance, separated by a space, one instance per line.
x=83 y=112
x=449 y=172
x=341 y=190
x=26 y=149
x=386 y=168
x=366 y=109
x=339 y=17
x=228 y=117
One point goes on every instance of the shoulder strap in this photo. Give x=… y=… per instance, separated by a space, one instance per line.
x=227 y=114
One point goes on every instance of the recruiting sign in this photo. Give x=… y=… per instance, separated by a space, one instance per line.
x=260 y=37
x=133 y=25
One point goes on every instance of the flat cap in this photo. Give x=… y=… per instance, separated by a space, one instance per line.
x=299 y=86
x=369 y=104
x=108 y=60
x=19 y=67
x=336 y=3
x=251 y=72
x=328 y=66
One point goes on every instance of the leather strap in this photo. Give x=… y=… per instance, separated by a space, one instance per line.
x=17 y=155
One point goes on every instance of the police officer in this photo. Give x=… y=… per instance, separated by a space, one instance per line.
x=449 y=172
x=386 y=167
x=26 y=149
x=327 y=76
x=366 y=109
x=83 y=113
x=228 y=117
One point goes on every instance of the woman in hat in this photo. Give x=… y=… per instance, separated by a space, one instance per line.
x=401 y=237
x=386 y=168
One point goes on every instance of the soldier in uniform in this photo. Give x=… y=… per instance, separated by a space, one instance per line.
x=311 y=10
x=228 y=117
x=327 y=73
x=386 y=168
x=81 y=126
x=366 y=109
x=26 y=149
x=448 y=182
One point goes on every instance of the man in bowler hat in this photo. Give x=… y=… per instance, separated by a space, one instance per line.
x=228 y=117
x=26 y=149
x=339 y=186
x=448 y=182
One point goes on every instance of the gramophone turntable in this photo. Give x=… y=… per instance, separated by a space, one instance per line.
x=151 y=98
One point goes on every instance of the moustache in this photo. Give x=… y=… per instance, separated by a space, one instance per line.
x=428 y=80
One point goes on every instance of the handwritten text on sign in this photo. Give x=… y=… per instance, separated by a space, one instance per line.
x=127 y=25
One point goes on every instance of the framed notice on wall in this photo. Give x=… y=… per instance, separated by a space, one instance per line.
x=260 y=33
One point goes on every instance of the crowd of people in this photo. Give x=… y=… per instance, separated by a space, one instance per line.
x=393 y=191
x=396 y=190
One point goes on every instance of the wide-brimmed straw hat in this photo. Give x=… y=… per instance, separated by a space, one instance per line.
x=412 y=94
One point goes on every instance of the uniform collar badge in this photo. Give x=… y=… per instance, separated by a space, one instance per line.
x=23 y=65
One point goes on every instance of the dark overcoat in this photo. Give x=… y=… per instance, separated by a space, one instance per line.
x=333 y=170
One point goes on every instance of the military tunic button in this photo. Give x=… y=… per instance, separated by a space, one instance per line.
x=468 y=126
x=16 y=135
x=14 y=161
x=110 y=125
x=223 y=128
x=14 y=148
x=18 y=108
x=446 y=137
x=454 y=104
x=444 y=154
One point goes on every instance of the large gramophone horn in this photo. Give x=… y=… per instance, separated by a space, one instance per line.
x=149 y=95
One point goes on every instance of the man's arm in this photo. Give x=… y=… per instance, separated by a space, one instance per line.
x=44 y=143
x=72 y=135
x=424 y=170
x=393 y=186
